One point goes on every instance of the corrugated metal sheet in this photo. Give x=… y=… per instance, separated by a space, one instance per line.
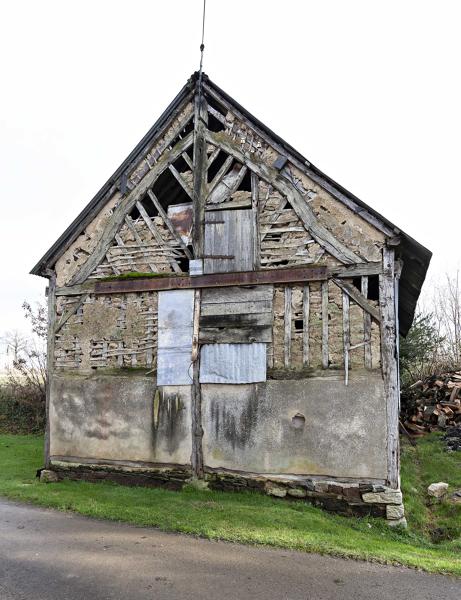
x=233 y=363
x=181 y=217
x=175 y=325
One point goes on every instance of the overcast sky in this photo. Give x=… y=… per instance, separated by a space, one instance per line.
x=369 y=92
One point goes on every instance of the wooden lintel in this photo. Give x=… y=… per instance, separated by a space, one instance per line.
x=295 y=275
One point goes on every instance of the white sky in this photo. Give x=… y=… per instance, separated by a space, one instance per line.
x=369 y=92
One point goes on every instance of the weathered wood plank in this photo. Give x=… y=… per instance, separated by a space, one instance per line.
x=196 y=394
x=366 y=326
x=228 y=185
x=182 y=182
x=200 y=176
x=69 y=312
x=346 y=336
x=220 y=174
x=235 y=335
x=249 y=307
x=252 y=293
x=389 y=363
x=357 y=270
x=287 y=327
x=359 y=299
x=228 y=233
x=186 y=158
x=51 y=319
x=255 y=209
x=325 y=352
x=234 y=319
x=306 y=315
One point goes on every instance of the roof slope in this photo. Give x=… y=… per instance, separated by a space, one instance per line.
x=415 y=257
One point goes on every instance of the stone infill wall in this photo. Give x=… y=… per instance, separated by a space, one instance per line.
x=345 y=498
x=350 y=499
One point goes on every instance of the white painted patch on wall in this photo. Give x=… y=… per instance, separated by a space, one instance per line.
x=175 y=326
x=233 y=363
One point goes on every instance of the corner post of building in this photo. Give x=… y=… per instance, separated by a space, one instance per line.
x=51 y=319
x=389 y=361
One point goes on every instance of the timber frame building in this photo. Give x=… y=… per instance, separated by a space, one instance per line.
x=223 y=310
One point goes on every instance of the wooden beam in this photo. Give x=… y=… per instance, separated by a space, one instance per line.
x=304 y=166
x=358 y=298
x=287 y=327
x=187 y=159
x=125 y=206
x=213 y=157
x=49 y=360
x=294 y=275
x=255 y=210
x=357 y=270
x=320 y=233
x=346 y=336
x=366 y=327
x=306 y=311
x=389 y=363
x=220 y=174
x=200 y=175
x=182 y=182
x=228 y=185
x=68 y=313
x=169 y=224
x=325 y=353
x=196 y=397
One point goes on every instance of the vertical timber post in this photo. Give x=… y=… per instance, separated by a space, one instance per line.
x=51 y=318
x=197 y=429
x=198 y=242
x=390 y=367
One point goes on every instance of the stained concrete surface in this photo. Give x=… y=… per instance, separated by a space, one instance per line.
x=48 y=555
x=252 y=428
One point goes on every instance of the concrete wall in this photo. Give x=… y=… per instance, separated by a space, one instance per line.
x=119 y=418
x=311 y=426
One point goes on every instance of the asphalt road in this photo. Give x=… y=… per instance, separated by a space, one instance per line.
x=48 y=555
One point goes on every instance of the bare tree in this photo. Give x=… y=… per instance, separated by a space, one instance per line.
x=24 y=391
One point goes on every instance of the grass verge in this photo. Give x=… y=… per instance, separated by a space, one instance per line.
x=251 y=518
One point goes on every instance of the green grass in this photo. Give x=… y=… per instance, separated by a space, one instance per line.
x=252 y=518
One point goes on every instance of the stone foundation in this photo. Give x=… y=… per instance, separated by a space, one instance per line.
x=345 y=498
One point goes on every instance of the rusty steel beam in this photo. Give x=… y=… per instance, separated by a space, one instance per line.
x=295 y=275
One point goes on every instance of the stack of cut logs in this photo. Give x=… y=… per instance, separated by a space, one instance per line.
x=432 y=404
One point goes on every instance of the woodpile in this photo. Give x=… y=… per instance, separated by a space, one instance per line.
x=432 y=404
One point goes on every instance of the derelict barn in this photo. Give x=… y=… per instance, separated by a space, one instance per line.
x=222 y=309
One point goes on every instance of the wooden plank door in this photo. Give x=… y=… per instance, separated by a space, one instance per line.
x=229 y=244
